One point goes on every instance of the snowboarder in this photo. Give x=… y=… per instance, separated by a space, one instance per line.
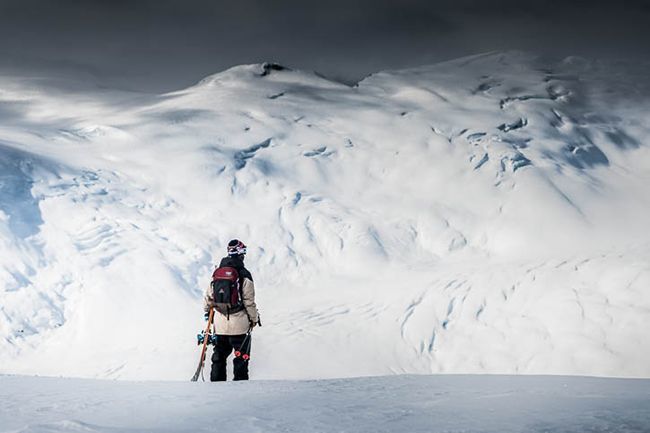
x=232 y=295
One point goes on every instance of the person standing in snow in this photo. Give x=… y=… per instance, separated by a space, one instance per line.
x=234 y=321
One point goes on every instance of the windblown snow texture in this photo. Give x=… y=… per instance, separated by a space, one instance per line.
x=485 y=215
x=487 y=404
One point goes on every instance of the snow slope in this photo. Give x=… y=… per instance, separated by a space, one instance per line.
x=485 y=215
x=487 y=404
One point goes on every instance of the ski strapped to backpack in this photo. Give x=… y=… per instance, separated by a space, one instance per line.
x=227 y=291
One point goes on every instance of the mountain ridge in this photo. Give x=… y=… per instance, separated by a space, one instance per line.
x=483 y=219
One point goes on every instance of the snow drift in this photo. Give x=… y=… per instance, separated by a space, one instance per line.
x=484 y=215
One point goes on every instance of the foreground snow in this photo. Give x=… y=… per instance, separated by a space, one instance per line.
x=485 y=404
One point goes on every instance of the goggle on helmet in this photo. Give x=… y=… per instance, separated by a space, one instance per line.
x=236 y=248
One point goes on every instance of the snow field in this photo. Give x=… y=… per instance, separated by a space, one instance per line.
x=486 y=215
x=452 y=403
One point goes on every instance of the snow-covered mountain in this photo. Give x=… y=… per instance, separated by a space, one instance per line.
x=484 y=215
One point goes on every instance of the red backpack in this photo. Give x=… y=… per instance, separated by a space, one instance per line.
x=226 y=290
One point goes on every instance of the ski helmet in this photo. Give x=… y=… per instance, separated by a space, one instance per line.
x=236 y=248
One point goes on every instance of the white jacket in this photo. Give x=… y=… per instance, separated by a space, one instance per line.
x=239 y=322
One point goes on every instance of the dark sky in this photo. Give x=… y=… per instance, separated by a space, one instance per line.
x=159 y=45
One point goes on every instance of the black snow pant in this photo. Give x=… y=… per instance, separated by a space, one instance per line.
x=223 y=347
